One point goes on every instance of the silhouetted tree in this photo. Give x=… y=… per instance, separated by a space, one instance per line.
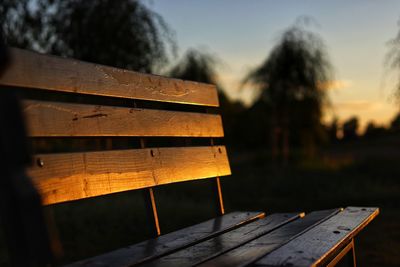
x=122 y=33
x=374 y=130
x=332 y=130
x=20 y=24
x=350 y=128
x=201 y=66
x=253 y=125
x=292 y=81
x=196 y=66
x=395 y=123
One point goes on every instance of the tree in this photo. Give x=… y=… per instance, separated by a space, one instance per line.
x=395 y=123
x=350 y=128
x=20 y=24
x=196 y=66
x=332 y=130
x=372 y=130
x=201 y=66
x=292 y=80
x=121 y=33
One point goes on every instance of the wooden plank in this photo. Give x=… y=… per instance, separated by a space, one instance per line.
x=33 y=70
x=171 y=242
x=348 y=251
x=251 y=251
x=62 y=119
x=225 y=242
x=322 y=241
x=71 y=176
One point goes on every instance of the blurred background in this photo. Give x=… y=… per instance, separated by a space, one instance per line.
x=309 y=94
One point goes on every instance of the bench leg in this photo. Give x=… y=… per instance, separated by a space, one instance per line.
x=353 y=255
x=347 y=250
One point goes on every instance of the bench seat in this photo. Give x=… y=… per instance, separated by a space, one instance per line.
x=248 y=238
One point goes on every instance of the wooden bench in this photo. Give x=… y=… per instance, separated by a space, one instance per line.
x=154 y=106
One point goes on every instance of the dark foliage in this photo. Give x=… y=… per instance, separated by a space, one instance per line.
x=395 y=124
x=332 y=131
x=121 y=33
x=350 y=128
x=373 y=130
x=201 y=66
x=196 y=66
x=292 y=80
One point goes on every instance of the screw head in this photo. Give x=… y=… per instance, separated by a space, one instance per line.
x=39 y=162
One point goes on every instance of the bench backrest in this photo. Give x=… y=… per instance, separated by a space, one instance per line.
x=64 y=177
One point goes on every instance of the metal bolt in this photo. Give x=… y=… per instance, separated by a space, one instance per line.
x=39 y=162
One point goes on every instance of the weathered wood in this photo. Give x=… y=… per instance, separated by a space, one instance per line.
x=251 y=251
x=62 y=119
x=225 y=242
x=348 y=251
x=237 y=239
x=322 y=241
x=71 y=176
x=33 y=70
x=171 y=242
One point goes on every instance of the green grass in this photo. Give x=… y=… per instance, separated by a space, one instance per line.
x=98 y=225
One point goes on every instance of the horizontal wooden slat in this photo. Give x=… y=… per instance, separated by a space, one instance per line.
x=250 y=252
x=33 y=70
x=62 y=119
x=168 y=243
x=71 y=176
x=220 y=244
x=322 y=241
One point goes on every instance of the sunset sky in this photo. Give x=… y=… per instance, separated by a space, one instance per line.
x=242 y=33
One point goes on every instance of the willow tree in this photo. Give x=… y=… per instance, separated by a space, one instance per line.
x=292 y=80
x=200 y=66
x=197 y=66
x=121 y=33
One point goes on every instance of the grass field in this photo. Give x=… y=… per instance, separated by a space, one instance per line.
x=338 y=178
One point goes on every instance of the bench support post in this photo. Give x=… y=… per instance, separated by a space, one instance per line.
x=220 y=208
x=220 y=199
x=346 y=250
x=150 y=201
x=154 y=210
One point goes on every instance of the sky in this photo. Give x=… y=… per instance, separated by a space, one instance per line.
x=242 y=33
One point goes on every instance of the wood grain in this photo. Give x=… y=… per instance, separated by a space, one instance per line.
x=168 y=243
x=251 y=251
x=322 y=241
x=64 y=119
x=220 y=244
x=71 y=176
x=33 y=70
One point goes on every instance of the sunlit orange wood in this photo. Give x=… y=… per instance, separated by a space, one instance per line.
x=33 y=70
x=71 y=176
x=65 y=119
